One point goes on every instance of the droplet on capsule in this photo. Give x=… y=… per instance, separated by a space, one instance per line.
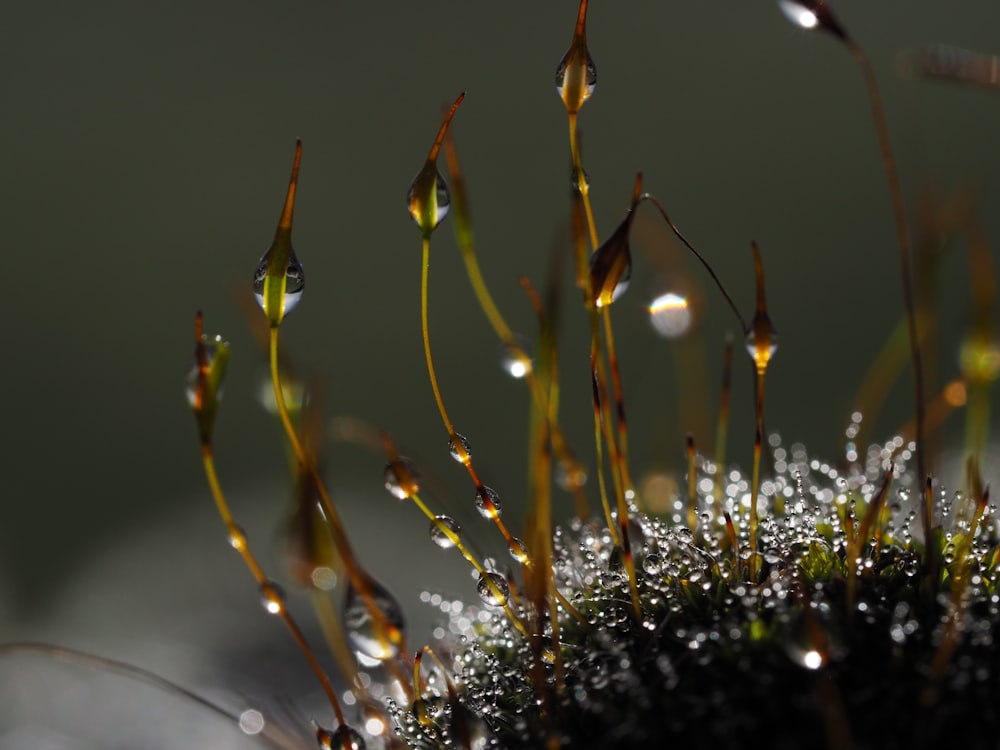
x=495 y=595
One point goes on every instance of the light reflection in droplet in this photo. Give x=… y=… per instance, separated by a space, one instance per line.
x=670 y=315
x=798 y=14
x=252 y=721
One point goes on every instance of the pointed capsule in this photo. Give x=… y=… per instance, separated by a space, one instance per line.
x=576 y=74
x=611 y=263
x=204 y=379
x=812 y=14
x=310 y=555
x=761 y=335
x=279 y=280
x=428 y=199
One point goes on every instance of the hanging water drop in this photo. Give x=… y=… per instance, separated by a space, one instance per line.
x=812 y=14
x=376 y=637
x=438 y=206
x=402 y=478
x=440 y=536
x=458 y=447
x=295 y=282
x=494 y=595
x=565 y=66
x=488 y=502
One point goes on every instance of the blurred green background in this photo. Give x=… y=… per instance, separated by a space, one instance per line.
x=146 y=149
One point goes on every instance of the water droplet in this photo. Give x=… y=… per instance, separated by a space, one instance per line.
x=440 y=205
x=569 y=67
x=272 y=597
x=211 y=348
x=496 y=595
x=514 y=358
x=438 y=534
x=799 y=14
x=670 y=315
x=488 y=502
x=402 y=478
x=344 y=738
x=812 y=14
x=761 y=342
x=518 y=550
x=379 y=639
x=237 y=537
x=295 y=282
x=458 y=447
x=574 y=178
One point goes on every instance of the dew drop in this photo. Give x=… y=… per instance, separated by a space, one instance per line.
x=563 y=68
x=237 y=537
x=402 y=478
x=344 y=738
x=488 y=502
x=518 y=550
x=376 y=640
x=761 y=342
x=272 y=597
x=514 y=358
x=798 y=14
x=438 y=534
x=458 y=447
x=211 y=349
x=295 y=282
x=670 y=315
x=496 y=595
x=442 y=200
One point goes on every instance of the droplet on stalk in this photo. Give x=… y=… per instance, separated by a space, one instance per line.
x=343 y=738
x=576 y=74
x=761 y=335
x=279 y=280
x=495 y=595
x=428 y=199
x=203 y=386
x=376 y=638
x=402 y=478
x=440 y=536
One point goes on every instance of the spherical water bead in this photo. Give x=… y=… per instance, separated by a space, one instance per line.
x=518 y=550
x=272 y=597
x=344 y=738
x=295 y=282
x=375 y=640
x=438 y=534
x=442 y=200
x=495 y=595
x=488 y=502
x=514 y=358
x=561 y=74
x=670 y=315
x=402 y=478
x=459 y=448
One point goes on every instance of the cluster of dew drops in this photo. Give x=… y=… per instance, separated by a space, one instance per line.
x=692 y=590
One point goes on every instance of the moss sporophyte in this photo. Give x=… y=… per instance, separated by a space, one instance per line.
x=848 y=604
